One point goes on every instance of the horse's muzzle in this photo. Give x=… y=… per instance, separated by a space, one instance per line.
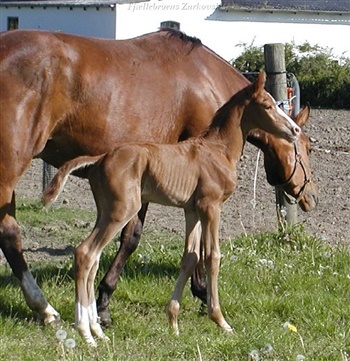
x=309 y=200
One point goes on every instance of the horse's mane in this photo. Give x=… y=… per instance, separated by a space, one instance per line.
x=174 y=33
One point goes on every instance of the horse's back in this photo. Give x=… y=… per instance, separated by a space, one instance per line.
x=86 y=94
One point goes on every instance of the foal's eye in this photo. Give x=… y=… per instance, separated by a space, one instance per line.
x=309 y=148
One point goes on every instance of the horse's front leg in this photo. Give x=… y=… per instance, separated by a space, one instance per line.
x=129 y=240
x=188 y=263
x=11 y=245
x=210 y=217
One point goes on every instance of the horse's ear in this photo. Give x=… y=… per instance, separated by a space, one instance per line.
x=260 y=82
x=303 y=115
x=258 y=138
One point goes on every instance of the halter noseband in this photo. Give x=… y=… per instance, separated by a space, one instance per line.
x=307 y=180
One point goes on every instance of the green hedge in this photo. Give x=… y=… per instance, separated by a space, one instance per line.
x=324 y=79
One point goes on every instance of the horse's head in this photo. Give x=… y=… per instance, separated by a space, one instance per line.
x=287 y=164
x=262 y=112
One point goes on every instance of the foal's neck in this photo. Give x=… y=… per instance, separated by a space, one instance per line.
x=228 y=129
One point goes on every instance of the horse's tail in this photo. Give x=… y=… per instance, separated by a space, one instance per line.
x=52 y=191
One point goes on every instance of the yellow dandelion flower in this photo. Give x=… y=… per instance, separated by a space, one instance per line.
x=289 y=327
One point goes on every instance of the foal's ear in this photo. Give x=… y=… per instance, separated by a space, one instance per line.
x=303 y=115
x=260 y=81
x=258 y=138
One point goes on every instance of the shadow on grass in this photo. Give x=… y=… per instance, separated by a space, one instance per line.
x=12 y=305
x=57 y=274
x=20 y=312
x=137 y=267
x=52 y=252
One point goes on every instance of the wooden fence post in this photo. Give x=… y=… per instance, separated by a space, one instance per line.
x=277 y=86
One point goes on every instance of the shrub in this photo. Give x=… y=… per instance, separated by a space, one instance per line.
x=324 y=79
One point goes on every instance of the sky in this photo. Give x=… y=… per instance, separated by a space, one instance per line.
x=224 y=37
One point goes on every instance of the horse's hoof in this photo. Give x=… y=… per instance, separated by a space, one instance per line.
x=52 y=320
x=203 y=310
x=105 y=318
x=56 y=321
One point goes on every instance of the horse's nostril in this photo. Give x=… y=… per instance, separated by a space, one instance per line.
x=297 y=130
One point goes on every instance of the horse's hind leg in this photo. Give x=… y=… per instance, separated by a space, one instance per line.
x=198 y=280
x=11 y=245
x=129 y=241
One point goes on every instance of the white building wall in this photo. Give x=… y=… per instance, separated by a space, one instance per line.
x=89 y=21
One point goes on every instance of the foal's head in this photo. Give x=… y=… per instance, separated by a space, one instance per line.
x=287 y=164
x=262 y=112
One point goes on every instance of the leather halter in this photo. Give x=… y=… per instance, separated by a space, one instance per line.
x=298 y=160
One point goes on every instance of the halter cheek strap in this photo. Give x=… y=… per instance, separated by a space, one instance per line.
x=307 y=180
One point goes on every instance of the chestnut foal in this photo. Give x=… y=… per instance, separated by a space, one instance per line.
x=197 y=175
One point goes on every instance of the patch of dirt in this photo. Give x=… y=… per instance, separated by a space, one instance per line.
x=330 y=163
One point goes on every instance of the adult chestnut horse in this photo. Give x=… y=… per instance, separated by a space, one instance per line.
x=62 y=96
x=197 y=175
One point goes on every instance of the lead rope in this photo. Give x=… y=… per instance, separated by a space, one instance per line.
x=255 y=179
x=253 y=201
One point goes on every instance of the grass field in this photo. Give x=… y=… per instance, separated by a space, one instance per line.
x=286 y=295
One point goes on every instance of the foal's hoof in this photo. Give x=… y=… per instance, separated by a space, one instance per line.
x=90 y=341
x=105 y=318
x=228 y=329
x=104 y=338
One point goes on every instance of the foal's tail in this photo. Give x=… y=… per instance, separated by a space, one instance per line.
x=52 y=191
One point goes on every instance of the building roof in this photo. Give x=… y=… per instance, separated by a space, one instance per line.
x=292 y=5
x=331 y=12
x=67 y=2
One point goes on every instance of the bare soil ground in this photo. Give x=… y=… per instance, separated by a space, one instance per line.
x=330 y=163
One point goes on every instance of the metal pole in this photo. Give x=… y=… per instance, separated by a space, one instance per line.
x=48 y=173
x=277 y=86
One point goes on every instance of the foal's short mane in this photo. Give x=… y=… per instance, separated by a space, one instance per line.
x=222 y=115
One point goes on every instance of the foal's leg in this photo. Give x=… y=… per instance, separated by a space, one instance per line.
x=118 y=201
x=87 y=257
x=129 y=240
x=188 y=263
x=11 y=245
x=93 y=316
x=210 y=217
